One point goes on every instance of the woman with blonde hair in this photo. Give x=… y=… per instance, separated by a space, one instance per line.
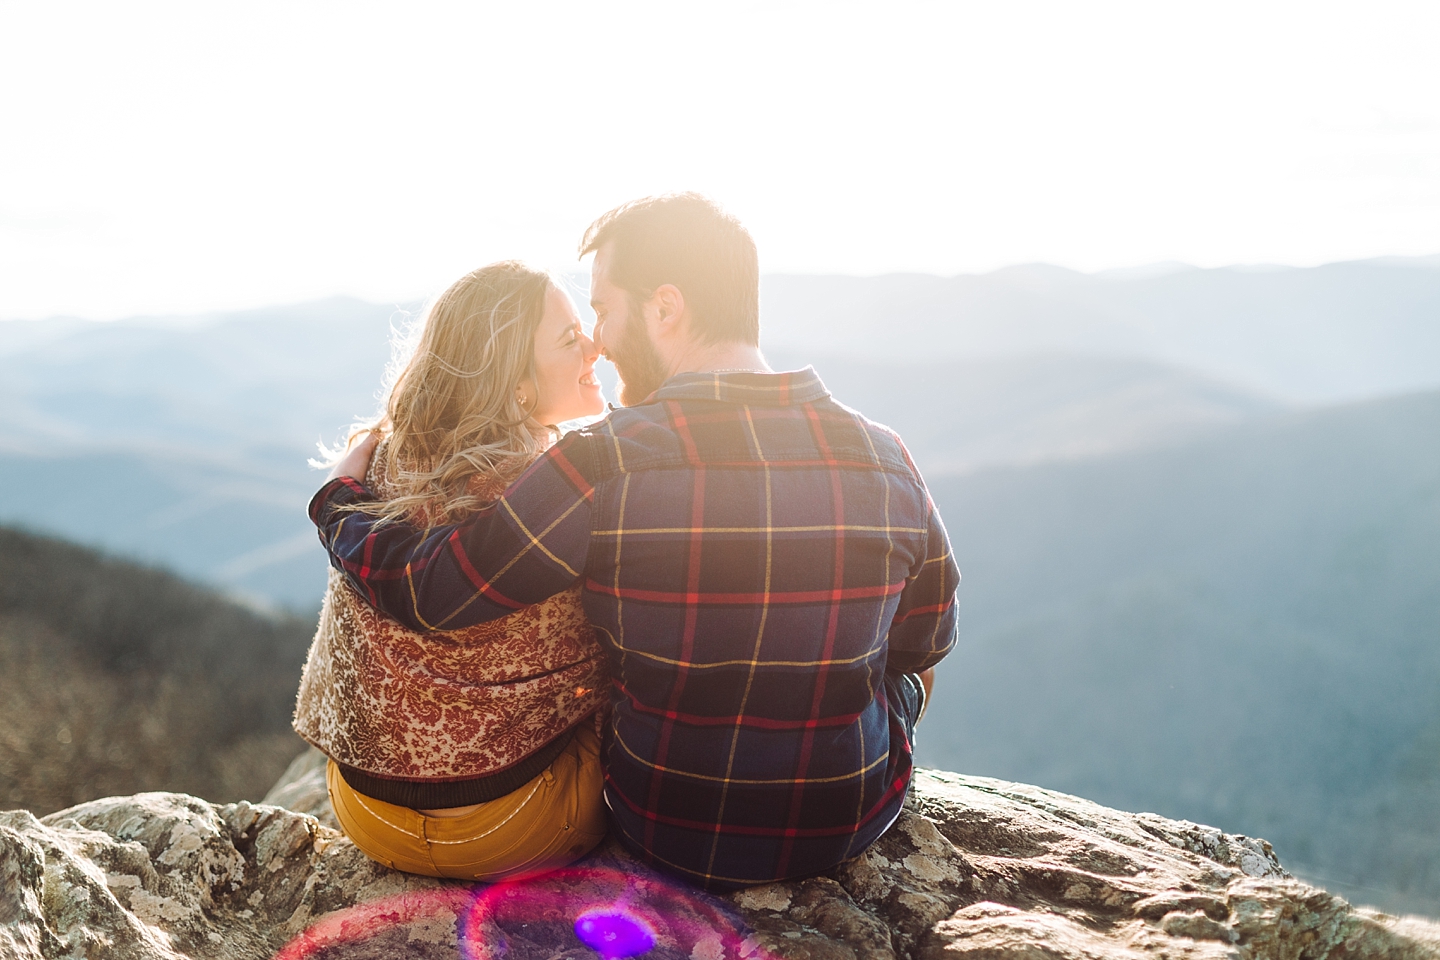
x=469 y=753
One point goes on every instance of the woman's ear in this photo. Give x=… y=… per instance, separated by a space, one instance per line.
x=527 y=394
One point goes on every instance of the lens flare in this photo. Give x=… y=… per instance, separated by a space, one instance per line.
x=367 y=920
x=614 y=933
x=617 y=914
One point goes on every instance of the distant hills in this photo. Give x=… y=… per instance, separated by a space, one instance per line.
x=959 y=416
x=184 y=440
x=1243 y=629
x=1325 y=334
x=187 y=420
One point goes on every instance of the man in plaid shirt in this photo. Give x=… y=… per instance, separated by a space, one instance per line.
x=764 y=565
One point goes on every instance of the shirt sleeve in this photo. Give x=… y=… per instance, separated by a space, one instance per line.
x=923 y=630
x=529 y=545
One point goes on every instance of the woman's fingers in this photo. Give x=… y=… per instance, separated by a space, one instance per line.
x=356 y=461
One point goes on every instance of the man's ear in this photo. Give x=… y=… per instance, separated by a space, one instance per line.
x=668 y=305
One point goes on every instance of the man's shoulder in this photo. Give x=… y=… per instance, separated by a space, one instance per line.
x=875 y=438
x=677 y=433
x=626 y=438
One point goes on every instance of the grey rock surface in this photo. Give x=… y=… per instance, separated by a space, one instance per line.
x=974 y=868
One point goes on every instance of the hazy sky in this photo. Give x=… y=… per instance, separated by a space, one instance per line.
x=185 y=156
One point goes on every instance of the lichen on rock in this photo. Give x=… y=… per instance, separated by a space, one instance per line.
x=974 y=868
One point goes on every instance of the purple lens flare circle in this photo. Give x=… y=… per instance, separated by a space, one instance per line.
x=614 y=933
x=616 y=914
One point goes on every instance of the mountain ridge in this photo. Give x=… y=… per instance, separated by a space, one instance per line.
x=1241 y=628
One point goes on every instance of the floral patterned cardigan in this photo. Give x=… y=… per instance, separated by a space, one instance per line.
x=403 y=713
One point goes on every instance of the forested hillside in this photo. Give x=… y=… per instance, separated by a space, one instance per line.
x=116 y=678
x=1241 y=630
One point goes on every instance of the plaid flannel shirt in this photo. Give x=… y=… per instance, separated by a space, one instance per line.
x=755 y=556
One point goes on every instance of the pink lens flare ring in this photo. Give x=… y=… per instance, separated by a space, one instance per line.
x=615 y=914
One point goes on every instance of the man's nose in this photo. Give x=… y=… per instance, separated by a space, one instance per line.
x=597 y=343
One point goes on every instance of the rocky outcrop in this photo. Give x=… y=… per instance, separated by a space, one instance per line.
x=974 y=868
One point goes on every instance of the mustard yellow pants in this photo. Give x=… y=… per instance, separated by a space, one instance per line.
x=553 y=820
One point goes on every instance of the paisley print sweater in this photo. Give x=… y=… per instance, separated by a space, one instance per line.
x=454 y=705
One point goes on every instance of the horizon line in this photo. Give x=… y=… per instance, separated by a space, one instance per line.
x=1149 y=271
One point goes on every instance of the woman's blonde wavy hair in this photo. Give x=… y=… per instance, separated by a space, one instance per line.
x=454 y=410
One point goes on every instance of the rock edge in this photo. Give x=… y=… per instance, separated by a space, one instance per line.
x=974 y=868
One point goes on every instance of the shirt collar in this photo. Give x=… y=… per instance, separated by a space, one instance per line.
x=756 y=389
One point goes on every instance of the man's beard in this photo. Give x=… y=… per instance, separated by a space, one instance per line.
x=637 y=361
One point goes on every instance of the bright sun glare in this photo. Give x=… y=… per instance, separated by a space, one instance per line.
x=178 y=157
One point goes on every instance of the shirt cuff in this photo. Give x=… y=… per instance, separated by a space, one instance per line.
x=341 y=490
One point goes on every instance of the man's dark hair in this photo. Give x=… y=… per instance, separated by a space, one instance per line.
x=685 y=239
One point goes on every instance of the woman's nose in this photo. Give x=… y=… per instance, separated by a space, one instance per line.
x=592 y=349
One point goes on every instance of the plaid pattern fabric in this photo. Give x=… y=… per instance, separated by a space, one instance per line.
x=755 y=556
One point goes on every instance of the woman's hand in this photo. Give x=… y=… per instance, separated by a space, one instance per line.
x=356 y=461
